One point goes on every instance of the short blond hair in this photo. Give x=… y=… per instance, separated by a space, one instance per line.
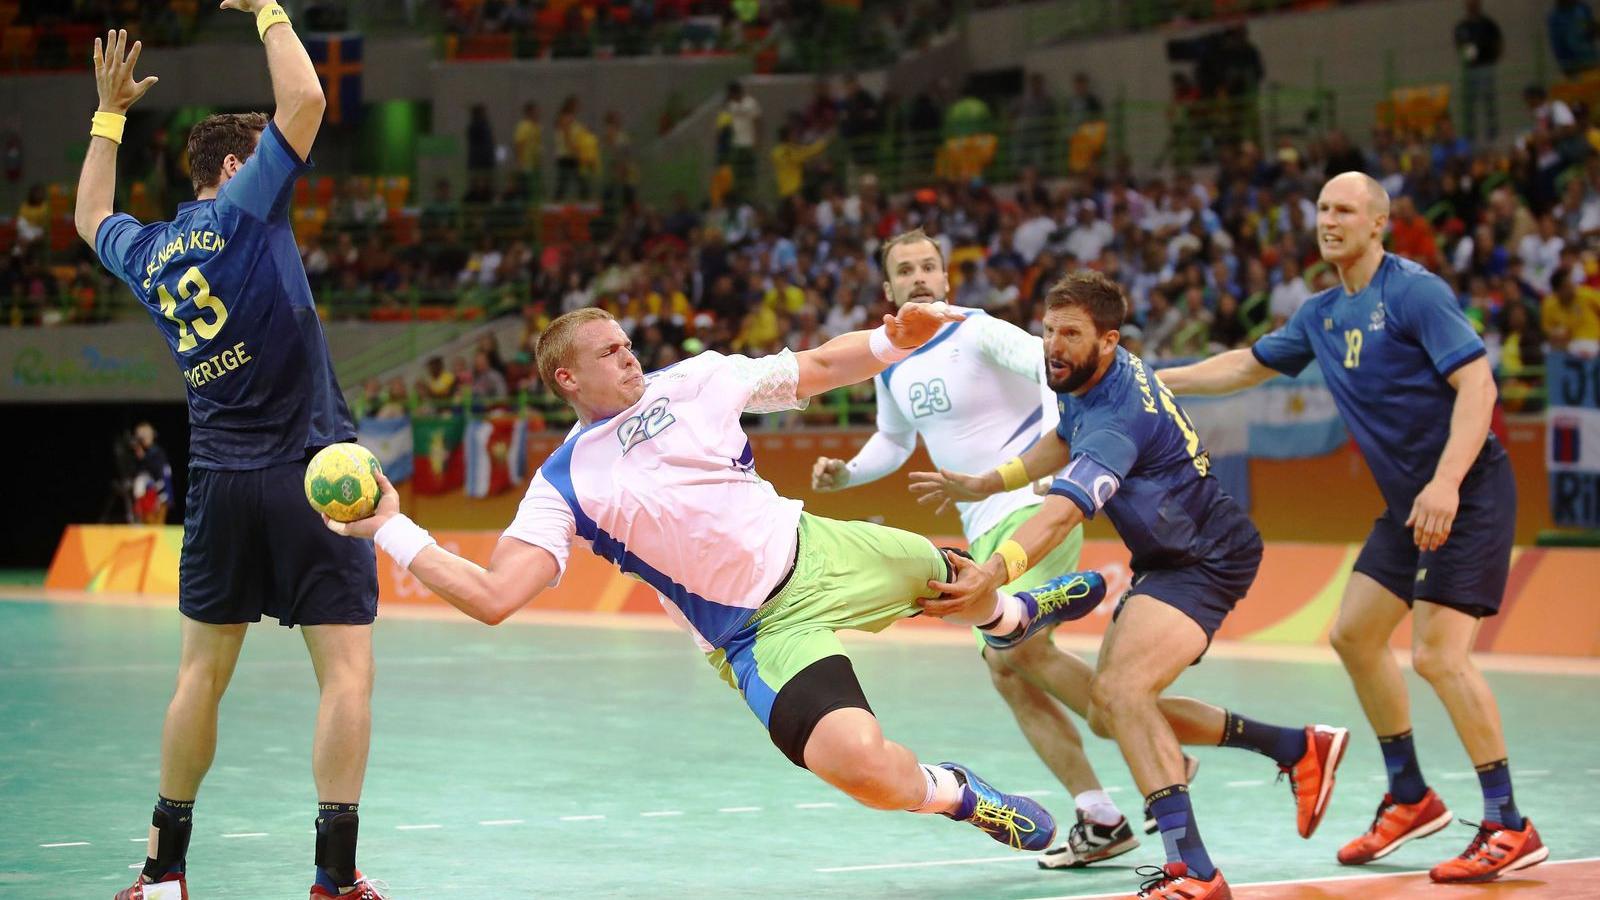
x=907 y=237
x=554 y=349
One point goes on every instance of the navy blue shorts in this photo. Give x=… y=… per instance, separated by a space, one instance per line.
x=253 y=546
x=1205 y=592
x=1467 y=573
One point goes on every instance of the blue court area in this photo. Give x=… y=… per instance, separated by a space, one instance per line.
x=540 y=760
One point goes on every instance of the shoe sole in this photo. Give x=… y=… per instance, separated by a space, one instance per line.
x=1341 y=741
x=1111 y=851
x=1421 y=831
x=1191 y=768
x=1525 y=862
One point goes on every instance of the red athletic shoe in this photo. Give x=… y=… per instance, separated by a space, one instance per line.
x=171 y=887
x=1173 y=882
x=1394 y=824
x=1312 y=777
x=364 y=890
x=1495 y=851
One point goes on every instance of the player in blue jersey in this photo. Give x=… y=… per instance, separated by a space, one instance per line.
x=1129 y=449
x=224 y=283
x=1412 y=381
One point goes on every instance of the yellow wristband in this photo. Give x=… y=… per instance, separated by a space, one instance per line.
x=1013 y=474
x=1016 y=559
x=268 y=16
x=108 y=125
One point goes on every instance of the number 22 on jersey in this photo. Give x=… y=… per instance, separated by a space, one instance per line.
x=193 y=286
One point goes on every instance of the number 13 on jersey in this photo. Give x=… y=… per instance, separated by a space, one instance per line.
x=193 y=285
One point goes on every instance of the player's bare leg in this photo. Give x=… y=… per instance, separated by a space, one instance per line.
x=342 y=658
x=1368 y=616
x=1042 y=719
x=1441 y=652
x=1147 y=648
x=847 y=749
x=189 y=736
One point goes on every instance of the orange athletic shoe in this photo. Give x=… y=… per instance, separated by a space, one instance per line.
x=1173 y=882
x=1495 y=851
x=172 y=887
x=1394 y=824
x=1312 y=777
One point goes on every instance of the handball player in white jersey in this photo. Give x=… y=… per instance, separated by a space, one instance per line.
x=977 y=395
x=660 y=479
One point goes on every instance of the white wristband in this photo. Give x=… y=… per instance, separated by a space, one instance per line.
x=403 y=539
x=883 y=348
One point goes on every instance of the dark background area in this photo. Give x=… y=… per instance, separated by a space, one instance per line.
x=59 y=469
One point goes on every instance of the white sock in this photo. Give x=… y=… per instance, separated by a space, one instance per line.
x=1097 y=807
x=943 y=793
x=1009 y=615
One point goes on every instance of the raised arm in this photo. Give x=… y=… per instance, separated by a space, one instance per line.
x=854 y=357
x=296 y=93
x=113 y=80
x=1224 y=373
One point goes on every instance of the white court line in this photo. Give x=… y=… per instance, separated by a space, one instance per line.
x=581 y=818
x=1533 y=773
x=1592 y=771
x=1458 y=776
x=71 y=844
x=1237 y=784
x=815 y=805
x=739 y=809
x=245 y=834
x=1562 y=862
x=417 y=827
x=659 y=813
x=924 y=865
x=143 y=840
x=492 y=822
x=1113 y=790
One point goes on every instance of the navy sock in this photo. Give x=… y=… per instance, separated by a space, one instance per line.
x=1283 y=746
x=1405 y=773
x=174 y=820
x=1498 y=806
x=325 y=814
x=1175 y=818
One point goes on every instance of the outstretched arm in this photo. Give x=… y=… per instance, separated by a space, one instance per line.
x=854 y=357
x=1043 y=531
x=113 y=80
x=945 y=487
x=1224 y=373
x=296 y=93
x=517 y=571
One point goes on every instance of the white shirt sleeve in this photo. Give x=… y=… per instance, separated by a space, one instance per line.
x=769 y=381
x=888 y=448
x=1009 y=347
x=545 y=520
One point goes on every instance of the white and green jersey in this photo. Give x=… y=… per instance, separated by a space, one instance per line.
x=976 y=393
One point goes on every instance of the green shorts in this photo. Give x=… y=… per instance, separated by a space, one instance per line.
x=847 y=575
x=1061 y=560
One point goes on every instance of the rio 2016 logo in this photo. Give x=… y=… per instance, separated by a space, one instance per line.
x=644 y=426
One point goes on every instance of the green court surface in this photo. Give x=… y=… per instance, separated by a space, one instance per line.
x=560 y=761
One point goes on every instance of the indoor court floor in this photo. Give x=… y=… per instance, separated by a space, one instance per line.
x=554 y=758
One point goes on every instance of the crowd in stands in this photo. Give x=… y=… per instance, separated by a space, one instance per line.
x=1211 y=261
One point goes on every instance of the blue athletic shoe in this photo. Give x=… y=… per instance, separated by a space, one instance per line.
x=1071 y=596
x=1011 y=819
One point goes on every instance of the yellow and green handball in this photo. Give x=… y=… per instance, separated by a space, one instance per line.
x=342 y=482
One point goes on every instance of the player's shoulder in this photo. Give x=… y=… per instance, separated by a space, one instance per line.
x=1408 y=276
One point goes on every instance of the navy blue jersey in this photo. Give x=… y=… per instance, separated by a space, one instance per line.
x=1386 y=353
x=1136 y=455
x=225 y=285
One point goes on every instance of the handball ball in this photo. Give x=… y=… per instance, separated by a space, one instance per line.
x=342 y=482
